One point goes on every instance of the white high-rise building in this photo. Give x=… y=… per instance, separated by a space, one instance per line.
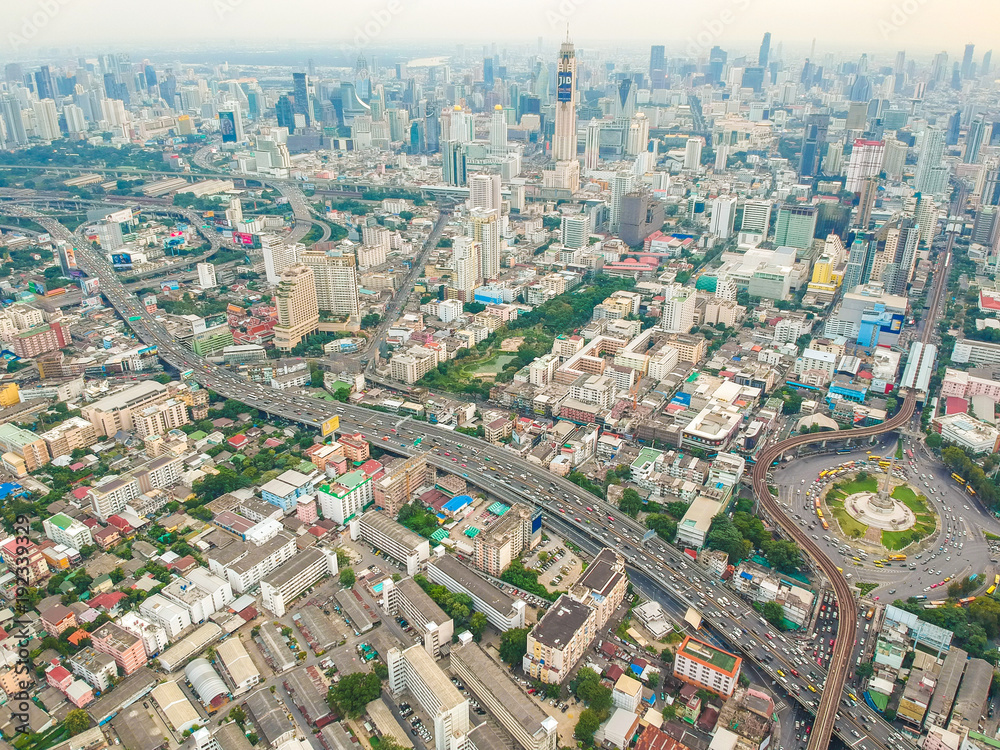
x=678 y=309
x=725 y=288
x=484 y=191
x=692 y=152
x=723 y=216
x=638 y=135
x=76 y=123
x=465 y=258
x=721 y=157
x=206 y=276
x=756 y=217
x=46 y=119
x=498 y=132
x=564 y=135
x=621 y=185
x=575 y=231
x=929 y=161
x=485 y=229
x=592 y=149
x=335 y=274
x=277 y=256
x=866 y=161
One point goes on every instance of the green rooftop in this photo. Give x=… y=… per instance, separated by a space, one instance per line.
x=647 y=456
x=350 y=481
x=61 y=520
x=198 y=435
x=705 y=652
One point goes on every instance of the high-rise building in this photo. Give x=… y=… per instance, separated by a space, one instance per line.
x=723 y=216
x=575 y=231
x=978 y=135
x=298 y=311
x=657 y=66
x=454 y=163
x=859 y=261
x=813 y=141
x=485 y=230
x=716 y=64
x=498 y=132
x=928 y=176
x=894 y=160
x=866 y=161
x=45 y=88
x=638 y=135
x=484 y=191
x=968 y=69
x=692 y=152
x=765 y=50
x=46 y=119
x=206 y=276
x=277 y=256
x=300 y=93
x=592 y=148
x=231 y=123
x=796 y=226
x=335 y=277
x=866 y=202
x=757 y=217
x=678 y=309
x=954 y=130
x=564 y=135
x=13 y=120
x=621 y=185
x=465 y=258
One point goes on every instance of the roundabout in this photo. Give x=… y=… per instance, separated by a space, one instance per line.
x=884 y=512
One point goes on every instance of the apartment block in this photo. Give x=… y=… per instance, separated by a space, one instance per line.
x=502 y=610
x=559 y=639
x=111 y=497
x=97 y=669
x=705 y=666
x=126 y=649
x=171 y=615
x=115 y=412
x=356 y=448
x=39 y=340
x=23 y=451
x=75 y=432
x=154 y=637
x=415 y=672
x=296 y=575
x=406 y=599
x=245 y=565
x=395 y=540
x=349 y=495
x=62 y=529
x=602 y=586
x=500 y=543
x=400 y=483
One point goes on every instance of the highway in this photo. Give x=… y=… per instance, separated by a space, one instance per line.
x=500 y=473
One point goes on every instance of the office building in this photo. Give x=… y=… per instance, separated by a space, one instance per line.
x=622 y=184
x=335 y=277
x=415 y=672
x=979 y=135
x=678 y=309
x=493 y=687
x=502 y=611
x=206 y=276
x=408 y=600
x=707 y=667
x=723 y=216
x=465 y=258
x=575 y=231
x=592 y=145
x=692 y=153
x=756 y=217
x=796 y=226
x=395 y=540
x=278 y=255
x=46 y=120
x=657 y=66
x=298 y=311
x=814 y=139
x=296 y=575
x=894 y=159
x=559 y=639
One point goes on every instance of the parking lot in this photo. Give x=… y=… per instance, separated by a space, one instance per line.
x=558 y=567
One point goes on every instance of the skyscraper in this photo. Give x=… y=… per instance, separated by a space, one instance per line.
x=46 y=119
x=592 y=148
x=45 y=87
x=13 y=120
x=859 y=261
x=692 y=152
x=657 y=66
x=277 y=256
x=796 y=226
x=765 y=50
x=621 y=185
x=300 y=91
x=485 y=230
x=285 y=112
x=678 y=309
x=866 y=161
x=967 y=67
x=954 y=129
x=716 y=64
x=498 y=132
x=298 y=312
x=335 y=278
x=757 y=217
x=566 y=175
x=723 y=216
x=901 y=254
x=484 y=191
x=927 y=178
x=465 y=258
x=978 y=135
x=817 y=126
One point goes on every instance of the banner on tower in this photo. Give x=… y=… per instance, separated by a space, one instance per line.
x=227 y=126
x=564 y=90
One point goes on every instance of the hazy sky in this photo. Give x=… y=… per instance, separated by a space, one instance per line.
x=882 y=26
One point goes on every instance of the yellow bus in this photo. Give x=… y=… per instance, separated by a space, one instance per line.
x=874 y=459
x=897 y=558
x=991 y=589
x=958 y=479
x=996 y=580
x=884 y=464
x=819 y=513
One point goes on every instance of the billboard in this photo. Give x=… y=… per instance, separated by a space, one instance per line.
x=333 y=423
x=36 y=287
x=246 y=240
x=67 y=259
x=564 y=88
x=90 y=286
x=227 y=126
x=121 y=260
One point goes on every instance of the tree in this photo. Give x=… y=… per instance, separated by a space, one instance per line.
x=864 y=670
x=586 y=725
x=477 y=625
x=316 y=379
x=347 y=577
x=371 y=320
x=774 y=613
x=514 y=645
x=630 y=503
x=783 y=555
x=934 y=441
x=354 y=692
x=588 y=688
x=76 y=721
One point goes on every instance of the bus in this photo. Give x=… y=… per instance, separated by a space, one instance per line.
x=968 y=488
x=826 y=526
x=932 y=605
x=844 y=450
x=819 y=513
x=823 y=474
x=870 y=614
x=909 y=453
x=967 y=600
x=896 y=558
x=958 y=479
x=817 y=503
x=991 y=589
x=884 y=464
x=921 y=598
x=996 y=580
x=874 y=459
x=134 y=318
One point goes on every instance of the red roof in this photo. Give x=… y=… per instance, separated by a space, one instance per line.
x=247 y=614
x=272 y=443
x=989 y=300
x=371 y=467
x=80 y=492
x=107 y=600
x=77 y=636
x=238 y=441
x=956 y=405
x=58 y=674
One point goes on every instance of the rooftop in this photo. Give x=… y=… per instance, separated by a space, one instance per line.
x=508 y=693
x=558 y=626
x=710 y=655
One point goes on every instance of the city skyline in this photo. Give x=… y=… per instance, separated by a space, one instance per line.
x=688 y=29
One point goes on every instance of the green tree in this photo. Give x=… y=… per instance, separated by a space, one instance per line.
x=588 y=688
x=630 y=503
x=347 y=577
x=316 y=379
x=934 y=440
x=76 y=721
x=477 y=625
x=514 y=645
x=354 y=692
x=774 y=613
x=586 y=725
x=864 y=670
